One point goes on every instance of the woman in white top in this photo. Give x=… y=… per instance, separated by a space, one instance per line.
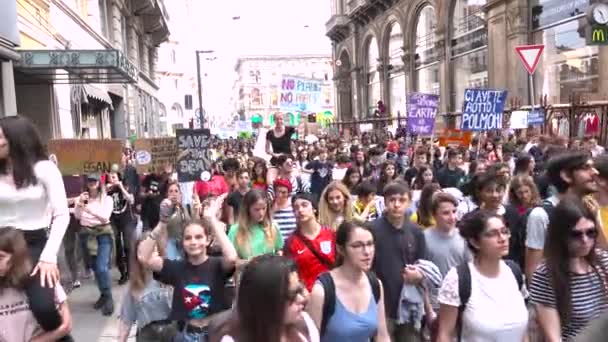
x=269 y=306
x=495 y=310
x=30 y=185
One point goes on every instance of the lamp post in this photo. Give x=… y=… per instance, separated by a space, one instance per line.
x=200 y=88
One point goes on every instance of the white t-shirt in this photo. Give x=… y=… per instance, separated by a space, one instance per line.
x=495 y=311
x=313 y=332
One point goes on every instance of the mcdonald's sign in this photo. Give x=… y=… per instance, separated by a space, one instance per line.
x=598 y=35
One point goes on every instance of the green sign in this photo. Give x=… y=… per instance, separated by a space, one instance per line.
x=598 y=35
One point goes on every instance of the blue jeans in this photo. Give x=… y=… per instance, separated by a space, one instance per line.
x=102 y=264
x=183 y=336
x=83 y=237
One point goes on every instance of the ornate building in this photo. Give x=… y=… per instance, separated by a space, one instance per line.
x=385 y=49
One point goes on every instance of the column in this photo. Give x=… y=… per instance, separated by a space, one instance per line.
x=8 y=97
x=444 y=73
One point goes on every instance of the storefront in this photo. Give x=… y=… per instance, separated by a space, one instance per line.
x=568 y=68
x=9 y=40
x=468 y=50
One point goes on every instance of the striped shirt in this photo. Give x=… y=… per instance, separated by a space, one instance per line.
x=298 y=184
x=285 y=219
x=588 y=293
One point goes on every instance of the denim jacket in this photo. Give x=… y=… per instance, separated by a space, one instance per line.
x=154 y=304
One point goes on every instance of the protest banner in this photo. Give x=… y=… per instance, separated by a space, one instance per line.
x=536 y=116
x=301 y=94
x=422 y=109
x=519 y=119
x=154 y=154
x=483 y=109
x=194 y=154
x=84 y=156
x=454 y=138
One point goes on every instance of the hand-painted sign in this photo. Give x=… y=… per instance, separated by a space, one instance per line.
x=154 y=154
x=483 y=109
x=195 y=155
x=422 y=109
x=84 y=156
x=301 y=94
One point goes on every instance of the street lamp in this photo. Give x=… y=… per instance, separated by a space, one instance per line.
x=200 y=89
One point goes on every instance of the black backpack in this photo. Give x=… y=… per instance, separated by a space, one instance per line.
x=464 y=287
x=519 y=236
x=329 y=302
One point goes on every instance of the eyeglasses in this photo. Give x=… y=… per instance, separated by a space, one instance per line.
x=494 y=233
x=292 y=295
x=359 y=246
x=589 y=233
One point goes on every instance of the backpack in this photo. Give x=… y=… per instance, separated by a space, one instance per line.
x=464 y=287
x=518 y=240
x=329 y=302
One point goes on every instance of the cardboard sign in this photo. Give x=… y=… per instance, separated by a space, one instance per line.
x=483 y=109
x=195 y=155
x=85 y=156
x=154 y=153
x=453 y=137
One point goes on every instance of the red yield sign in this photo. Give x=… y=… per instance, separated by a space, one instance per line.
x=530 y=56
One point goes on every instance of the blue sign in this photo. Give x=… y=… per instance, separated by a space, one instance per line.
x=483 y=109
x=536 y=117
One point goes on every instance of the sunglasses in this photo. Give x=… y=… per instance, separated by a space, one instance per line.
x=589 y=233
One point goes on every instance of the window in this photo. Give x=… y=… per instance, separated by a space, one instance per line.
x=256 y=97
x=468 y=49
x=396 y=73
x=142 y=53
x=124 y=28
x=105 y=18
x=373 y=76
x=426 y=59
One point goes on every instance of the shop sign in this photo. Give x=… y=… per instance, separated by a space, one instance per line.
x=79 y=59
x=598 y=35
x=550 y=12
x=469 y=41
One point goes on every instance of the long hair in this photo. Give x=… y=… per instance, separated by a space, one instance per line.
x=425 y=212
x=254 y=175
x=326 y=216
x=25 y=149
x=264 y=287
x=384 y=178
x=518 y=182
x=419 y=180
x=557 y=257
x=245 y=222
x=343 y=235
x=346 y=179
x=13 y=243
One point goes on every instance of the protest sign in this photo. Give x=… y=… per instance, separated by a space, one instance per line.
x=153 y=154
x=453 y=137
x=483 y=109
x=195 y=155
x=84 y=156
x=422 y=109
x=301 y=94
x=519 y=119
x=536 y=116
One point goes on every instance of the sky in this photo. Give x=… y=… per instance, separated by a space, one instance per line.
x=265 y=27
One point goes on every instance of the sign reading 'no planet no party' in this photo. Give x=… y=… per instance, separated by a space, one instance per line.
x=483 y=109
x=422 y=109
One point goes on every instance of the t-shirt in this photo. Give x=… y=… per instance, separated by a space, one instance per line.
x=587 y=293
x=536 y=227
x=234 y=200
x=309 y=266
x=216 y=186
x=281 y=144
x=495 y=311
x=321 y=176
x=285 y=219
x=445 y=250
x=15 y=313
x=449 y=178
x=120 y=202
x=257 y=241
x=198 y=289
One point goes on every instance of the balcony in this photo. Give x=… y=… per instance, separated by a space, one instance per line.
x=337 y=28
x=353 y=6
x=364 y=11
x=154 y=17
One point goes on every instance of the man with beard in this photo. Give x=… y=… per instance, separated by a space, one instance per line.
x=572 y=174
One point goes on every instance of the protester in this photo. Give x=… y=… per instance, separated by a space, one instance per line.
x=122 y=223
x=335 y=205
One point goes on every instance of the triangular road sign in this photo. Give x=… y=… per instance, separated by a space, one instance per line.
x=530 y=56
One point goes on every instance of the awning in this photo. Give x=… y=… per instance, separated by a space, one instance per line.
x=95 y=93
x=74 y=67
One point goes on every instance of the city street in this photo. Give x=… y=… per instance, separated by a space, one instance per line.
x=90 y=325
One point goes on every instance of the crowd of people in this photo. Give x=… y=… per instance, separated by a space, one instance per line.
x=394 y=239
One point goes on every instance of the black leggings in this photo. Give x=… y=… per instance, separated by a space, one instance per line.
x=41 y=299
x=123 y=227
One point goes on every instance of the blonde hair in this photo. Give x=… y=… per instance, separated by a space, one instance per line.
x=245 y=223
x=327 y=217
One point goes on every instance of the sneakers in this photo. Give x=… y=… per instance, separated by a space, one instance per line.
x=76 y=284
x=124 y=278
x=100 y=302
x=108 y=307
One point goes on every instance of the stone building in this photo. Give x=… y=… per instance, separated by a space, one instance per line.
x=257 y=88
x=87 y=67
x=385 y=49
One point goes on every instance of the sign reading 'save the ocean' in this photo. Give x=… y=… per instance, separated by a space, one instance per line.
x=483 y=109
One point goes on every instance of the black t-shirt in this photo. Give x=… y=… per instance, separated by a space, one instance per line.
x=198 y=289
x=321 y=176
x=120 y=202
x=150 y=206
x=449 y=178
x=234 y=200
x=283 y=143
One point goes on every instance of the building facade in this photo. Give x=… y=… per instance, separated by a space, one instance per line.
x=385 y=49
x=9 y=40
x=87 y=68
x=257 y=88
